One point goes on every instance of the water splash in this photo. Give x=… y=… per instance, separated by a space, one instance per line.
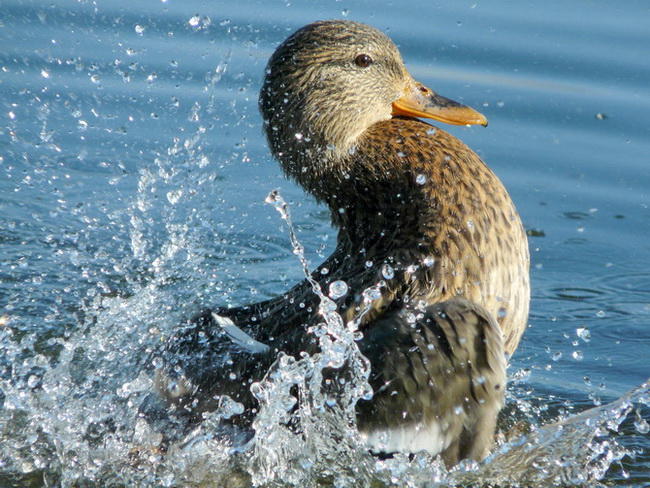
x=75 y=421
x=577 y=450
x=325 y=419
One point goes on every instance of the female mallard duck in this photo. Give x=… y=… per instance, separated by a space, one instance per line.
x=341 y=115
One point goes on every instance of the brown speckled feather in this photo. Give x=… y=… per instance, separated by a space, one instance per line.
x=461 y=216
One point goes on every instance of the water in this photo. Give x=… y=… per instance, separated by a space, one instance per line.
x=133 y=174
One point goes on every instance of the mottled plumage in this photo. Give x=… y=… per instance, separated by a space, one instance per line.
x=408 y=197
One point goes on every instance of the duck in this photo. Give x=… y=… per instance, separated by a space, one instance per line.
x=418 y=212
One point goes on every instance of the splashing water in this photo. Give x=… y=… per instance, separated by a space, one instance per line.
x=107 y=242
x=75 y=420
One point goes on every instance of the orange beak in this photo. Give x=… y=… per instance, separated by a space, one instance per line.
x=420 y=101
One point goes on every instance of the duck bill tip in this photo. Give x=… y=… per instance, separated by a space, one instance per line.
x=420 y=101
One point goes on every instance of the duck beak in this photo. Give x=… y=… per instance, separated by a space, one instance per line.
x=420 y=101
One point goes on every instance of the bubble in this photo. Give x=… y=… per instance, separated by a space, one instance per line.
x=420 y=179
x=33 y=381
x=372 y=293
x=174 y=196
x=583 y=333
x=338 y=289
x=387 y=271
x=640 y=424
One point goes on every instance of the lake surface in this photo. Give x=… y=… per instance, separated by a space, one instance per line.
x=133 y=174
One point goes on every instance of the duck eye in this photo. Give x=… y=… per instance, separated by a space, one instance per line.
x=363 y=60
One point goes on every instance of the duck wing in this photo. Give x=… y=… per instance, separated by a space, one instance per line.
x=438 y=381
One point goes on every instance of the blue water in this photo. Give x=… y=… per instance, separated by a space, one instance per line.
x=133 y=173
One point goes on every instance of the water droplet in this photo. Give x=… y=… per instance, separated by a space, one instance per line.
x=428 y=261
x=420 y=179
x=577 y=355
x=372 y=293
x=298 y=136
x=338 y=289
x=345 y=12
x=139 y=29
x=368 y=264
x=387 y=271
x=583 y=333
x=600 y=314
x=174 y=196
x=458 y=409
x=502 y=313
x=194 y=21
x=640 y=424
x=45 y=74
x=327 y=306
x=412 y=268
x=401 y=154
x=324 y=271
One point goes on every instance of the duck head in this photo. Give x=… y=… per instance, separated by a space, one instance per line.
x=328 y=83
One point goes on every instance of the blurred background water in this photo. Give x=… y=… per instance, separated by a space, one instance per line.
x=133 y=173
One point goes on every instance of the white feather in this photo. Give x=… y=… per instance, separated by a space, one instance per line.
x=408 y=438
x=238 y=336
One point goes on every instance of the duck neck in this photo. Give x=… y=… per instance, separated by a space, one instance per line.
x=377 y=210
